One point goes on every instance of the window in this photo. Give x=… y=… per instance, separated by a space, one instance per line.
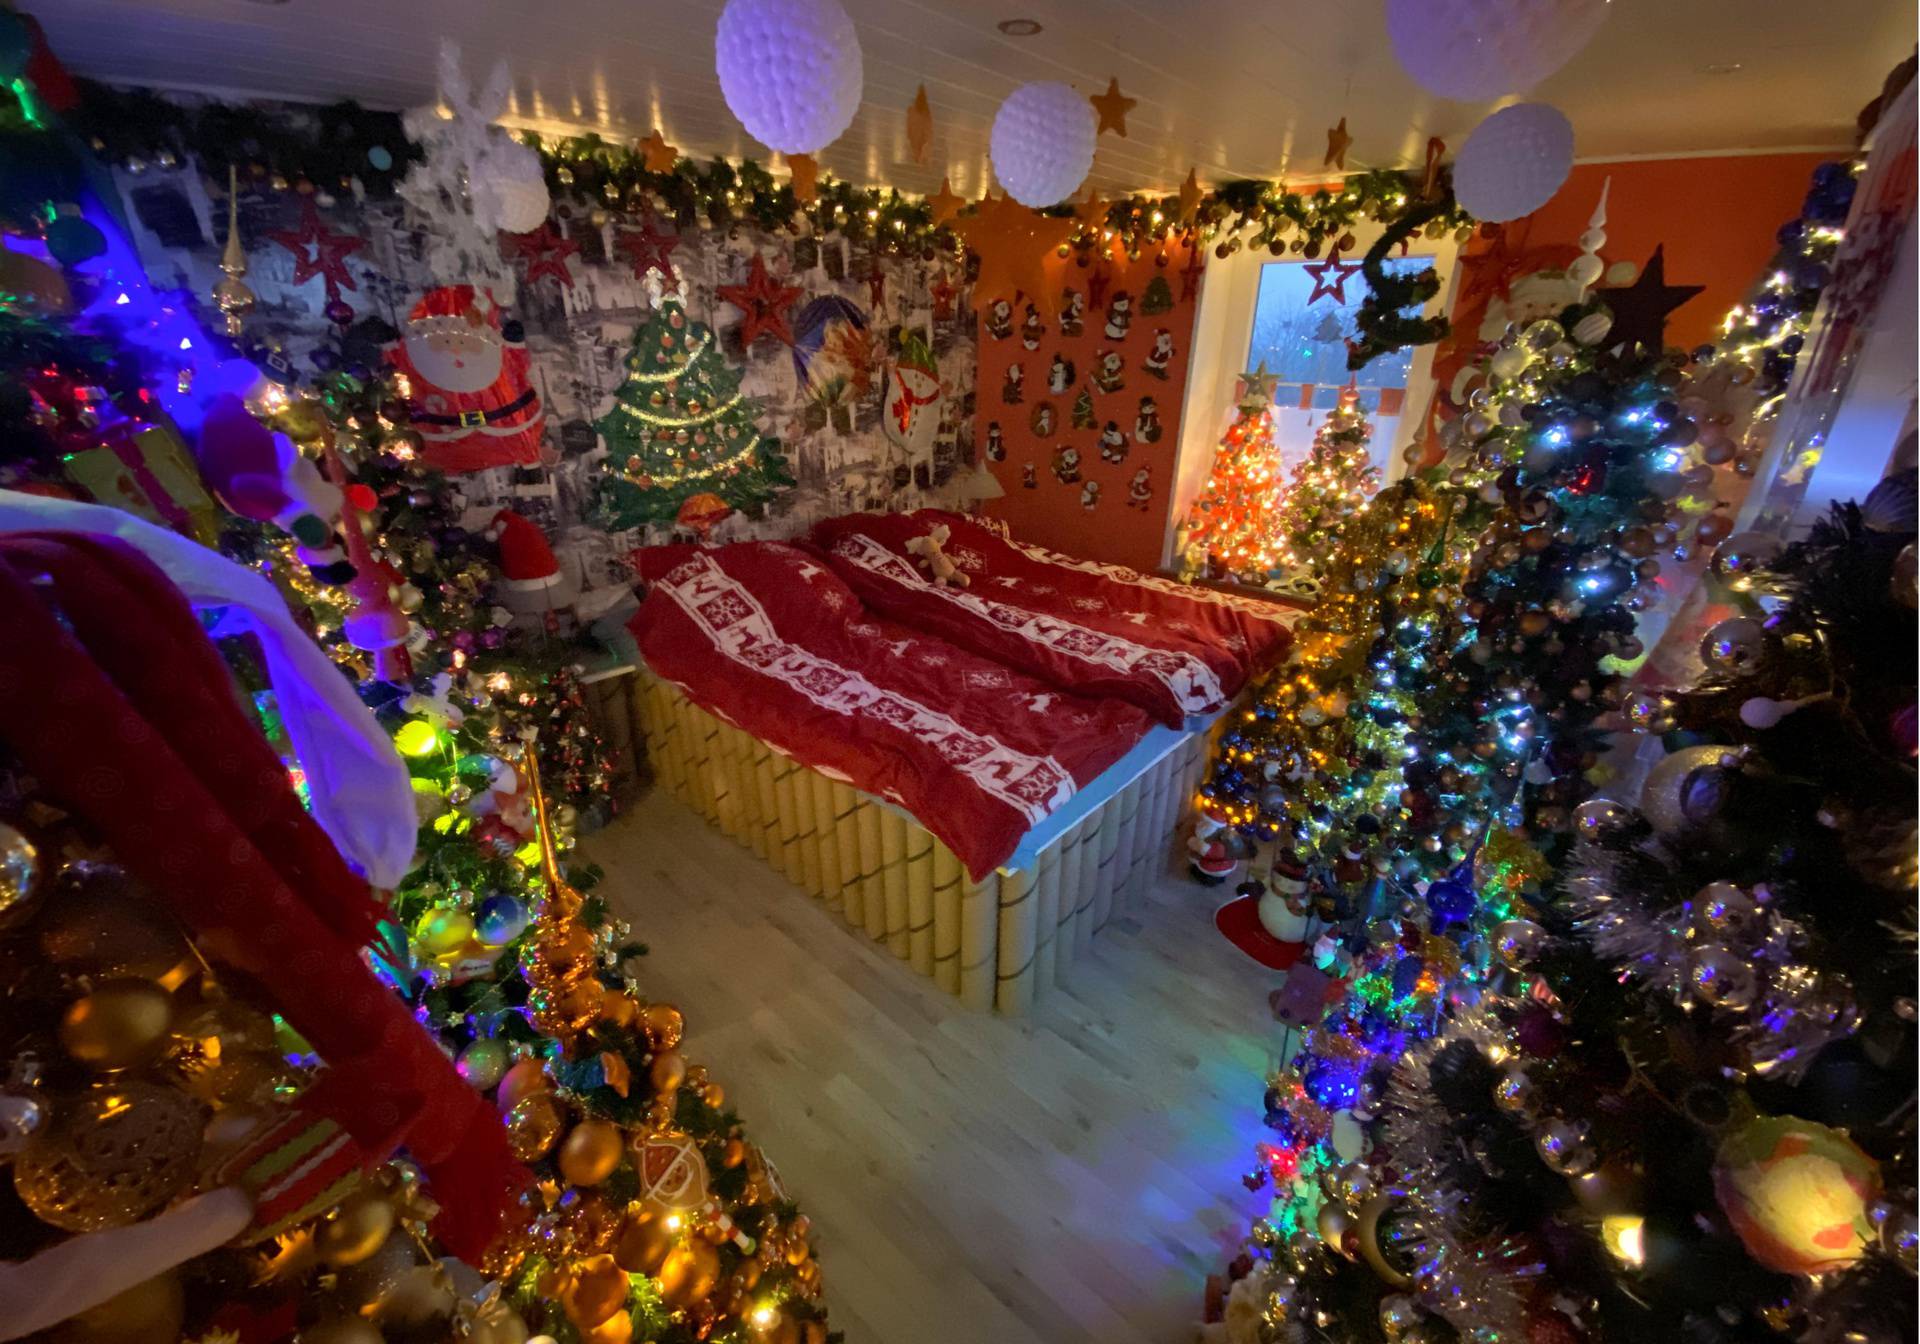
x=1305 y=344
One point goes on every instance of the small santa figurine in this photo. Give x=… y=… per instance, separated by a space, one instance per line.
x=1161 y=355
x=1011 y=385
x=1029 y=480
x=1073 y=312
x=1032 y=329
x=1140 y=488
x=472 y=399
x=1212 y=860
x=1000 y=319
x=532 y=584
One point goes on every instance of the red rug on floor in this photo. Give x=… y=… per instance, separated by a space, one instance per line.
x=1239 y=921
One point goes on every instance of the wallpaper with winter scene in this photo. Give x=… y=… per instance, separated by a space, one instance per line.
x=823 y=396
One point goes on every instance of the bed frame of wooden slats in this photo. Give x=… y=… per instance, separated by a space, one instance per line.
x=998 y=943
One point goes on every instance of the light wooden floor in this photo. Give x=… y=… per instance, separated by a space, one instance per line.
x=972 y=1180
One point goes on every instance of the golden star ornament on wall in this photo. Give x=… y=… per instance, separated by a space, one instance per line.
x=1014 y=245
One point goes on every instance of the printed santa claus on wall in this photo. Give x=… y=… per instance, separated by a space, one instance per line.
x=472 y=400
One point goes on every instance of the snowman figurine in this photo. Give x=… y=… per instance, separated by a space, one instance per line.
x=1119 y=315
x=996 y=443
x=1146 y=425
x=1090 y=496
x=1140 y=488
x=1113 y=443
x=1285 y=909
x=1060 y=375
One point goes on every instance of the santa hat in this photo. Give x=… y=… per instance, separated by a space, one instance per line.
x=526 y=560
x=461 y=308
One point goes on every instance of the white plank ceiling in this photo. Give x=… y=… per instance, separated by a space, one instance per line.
x=1234 y=87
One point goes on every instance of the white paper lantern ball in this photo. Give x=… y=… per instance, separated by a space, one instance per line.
x=1042 y=143
x=1479 y=49
x=1513 y=162
x=508 y=188
x=789 y=70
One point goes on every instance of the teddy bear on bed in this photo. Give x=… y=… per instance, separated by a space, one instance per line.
x=927 y=550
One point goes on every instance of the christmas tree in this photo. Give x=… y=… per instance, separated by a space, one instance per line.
x=680 y=428
x=1230 y=532
x=1328 y=486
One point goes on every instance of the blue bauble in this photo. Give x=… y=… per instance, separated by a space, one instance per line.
x=71 y=240
x=1450 y=901
x=500 y=919
x=1406 y=976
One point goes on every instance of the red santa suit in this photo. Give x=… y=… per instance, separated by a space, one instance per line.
x=472 y=400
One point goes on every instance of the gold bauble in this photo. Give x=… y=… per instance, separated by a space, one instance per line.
x=523 y=1080
x=342 y=1330
x=443 y=933
x=113 y=1155
x=303 y=421
x=616 y=1329
x=733 y=1153
x=714 y=1095
x=644 y=1242
x=211 y=1032
x=248 y=1078
x=599 y=1288
x=1333 y=1225
x=123 y=1023
x=1368 y=1226
x=356 y=1229
x=667 y=1071
x=689 y=1273
x=620 y=1010
x=664 y=1025
x=591 y=1152
x=1681 y=790
x=579 y=1004
x=147 y=1313
x=100 y=922
x=569 y=948
x=533 y=1123
x=22 y=874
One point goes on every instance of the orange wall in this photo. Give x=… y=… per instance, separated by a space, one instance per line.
x=1050 y=512
x=1717 y=217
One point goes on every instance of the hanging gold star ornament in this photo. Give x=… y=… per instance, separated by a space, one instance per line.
x=1113 y=107
x=945 y=203
x=659 y=155
x=1014 y=245
x=806 y=177
x=1337 y=142
x=919 y=125
x=1091 y=211
x=1190 y=196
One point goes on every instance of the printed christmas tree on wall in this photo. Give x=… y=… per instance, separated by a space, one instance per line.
x=679 y=427
x=1230 y=532
x=1328 y=486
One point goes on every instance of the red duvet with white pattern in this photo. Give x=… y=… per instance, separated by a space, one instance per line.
x=1170 y=648
x=767 y=637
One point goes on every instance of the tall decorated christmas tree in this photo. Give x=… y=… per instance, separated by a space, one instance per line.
x=1230 y=531
x=1328 y=486
x=680 y=428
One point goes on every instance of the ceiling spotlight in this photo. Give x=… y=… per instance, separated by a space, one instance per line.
x=1019 y=27
x=1726 y=68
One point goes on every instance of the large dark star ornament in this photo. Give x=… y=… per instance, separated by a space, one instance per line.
x=649 y=249
x=545 y=253
x=1336 y=288
x=763 y=303
x=1640 y=309
x=319 y=251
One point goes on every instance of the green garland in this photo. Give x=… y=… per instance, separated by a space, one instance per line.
x=1382 y=319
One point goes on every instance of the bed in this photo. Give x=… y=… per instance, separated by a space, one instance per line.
x=951 y=788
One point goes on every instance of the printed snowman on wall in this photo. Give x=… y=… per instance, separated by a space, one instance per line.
x=1032 y=329
x=1090 y=496
x=1119 y=315
x=996 y=442
x=1160 y=356
x=1146 y=425
x=1113 y=443
x=1060 y=374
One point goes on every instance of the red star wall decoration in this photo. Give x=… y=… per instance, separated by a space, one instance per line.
x=1336 y=289
x=1098 y=284
x=1191 y=272
x=876 y=285
x=317 y=250
x=649 y=248
x=763 y=304
x=545 y=253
